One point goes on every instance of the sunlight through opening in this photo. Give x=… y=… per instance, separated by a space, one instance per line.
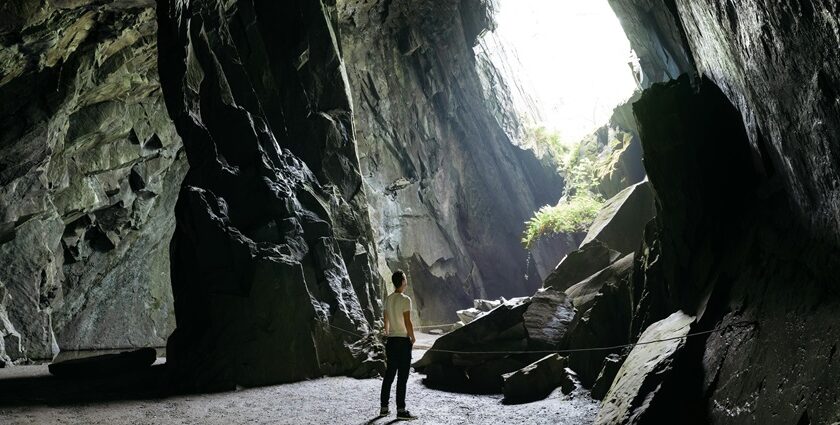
x=575 y=61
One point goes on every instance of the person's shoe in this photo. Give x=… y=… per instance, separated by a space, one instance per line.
x=383 y=411
x=405 y=415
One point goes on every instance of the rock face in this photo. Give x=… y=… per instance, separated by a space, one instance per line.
x=580 y=264
x=657 y=38
x=778 y=63
x=272 y=257
x=641 y=375
x=724 y=248
x=604 y=311
x=448 y=191
x=89 y=173
x=622 y=220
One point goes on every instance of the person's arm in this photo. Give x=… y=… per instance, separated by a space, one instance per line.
x=409 y=326
x=385 y=315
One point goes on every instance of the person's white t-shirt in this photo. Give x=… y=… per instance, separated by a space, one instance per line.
x=395 y=305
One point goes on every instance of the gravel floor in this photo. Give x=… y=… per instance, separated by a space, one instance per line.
x=321 y=401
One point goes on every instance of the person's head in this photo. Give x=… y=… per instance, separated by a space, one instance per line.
x=399 y=280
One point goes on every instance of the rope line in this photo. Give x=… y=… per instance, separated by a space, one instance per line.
x=575 y=350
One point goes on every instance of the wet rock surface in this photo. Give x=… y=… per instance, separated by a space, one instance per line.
x=273 y=256
x=90 y=167
x=448 y=190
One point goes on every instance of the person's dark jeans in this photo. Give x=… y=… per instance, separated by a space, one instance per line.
x=398 y=356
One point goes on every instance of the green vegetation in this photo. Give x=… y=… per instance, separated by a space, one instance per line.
x=584 y=166
x=546 y=143
x=568 y=216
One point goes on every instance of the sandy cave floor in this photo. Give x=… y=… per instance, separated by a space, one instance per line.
x=336 y=400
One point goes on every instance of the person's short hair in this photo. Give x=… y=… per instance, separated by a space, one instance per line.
x=397 y=278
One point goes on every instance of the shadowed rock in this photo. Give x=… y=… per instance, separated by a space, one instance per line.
x=612 y=364
x=272 y=254
x=640 y=377
x=537 y=380
x=620 y=223
x=604 y=312
x=580 y=264
x=499 y=330
x=583 y=294
x=105 y=365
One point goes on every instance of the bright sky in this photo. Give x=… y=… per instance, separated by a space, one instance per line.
x=575 y=58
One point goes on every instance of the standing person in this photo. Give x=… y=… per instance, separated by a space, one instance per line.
x=400 y=333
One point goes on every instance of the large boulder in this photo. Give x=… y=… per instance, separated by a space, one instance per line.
x=546 y=250
x=580 y=264
x=487 y=329
x=640 y=377
x=464 y=359
x=537 y=380
x=604 y=314
x=548 y=317
x=621 y=221
x=583 y=294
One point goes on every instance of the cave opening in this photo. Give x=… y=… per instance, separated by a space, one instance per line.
x=571 y=57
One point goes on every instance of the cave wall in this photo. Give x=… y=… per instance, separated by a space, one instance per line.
x=273 y=256
x=90 y=167
x=778 y=63
x=449 y=192
x=744 y=163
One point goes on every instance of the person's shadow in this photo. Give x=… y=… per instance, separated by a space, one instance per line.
x=377 y=418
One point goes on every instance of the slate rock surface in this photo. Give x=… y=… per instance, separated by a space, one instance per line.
x=273 y=255
x=535 y=381
x=90 y=167
x=448 y=190
x=640 y=376
x=459 y=368
x=548 y=317
x=622 y=219
x=580 y=264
